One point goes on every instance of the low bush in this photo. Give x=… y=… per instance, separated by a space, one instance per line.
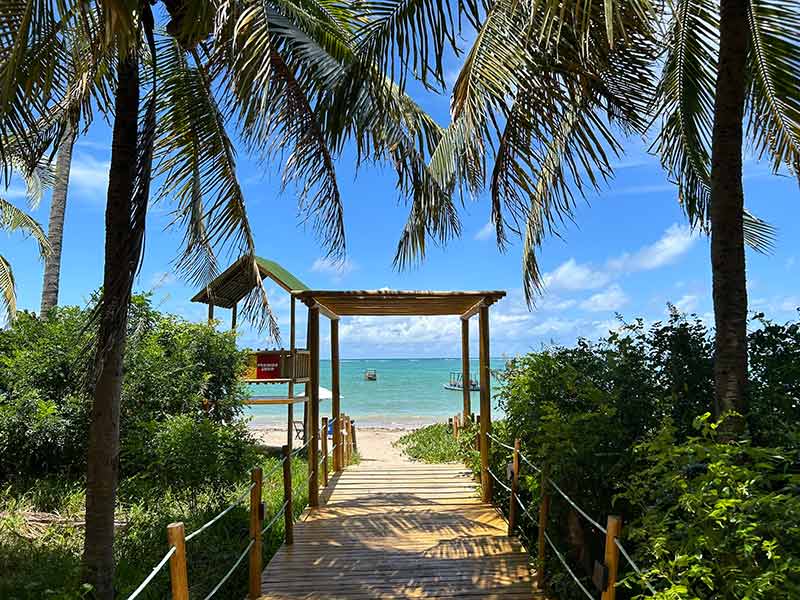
x=716 y=520
x=171 y=368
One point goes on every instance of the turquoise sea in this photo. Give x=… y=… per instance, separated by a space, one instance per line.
x=409 y=392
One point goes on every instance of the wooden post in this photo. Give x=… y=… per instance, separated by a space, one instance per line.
x=313 y=413
x=288 y=520
x=353 y=435
x=179 y=580
x=613 y=529
x=255 y=533
x=233 y=316
x=325 y=451
x=290 y=406
x=512 y=507
x=348 y=427
x=486 y=403
x=210 y=312
x=544 y=511
x=465 y=367
x=455 y=426
x=335 y=398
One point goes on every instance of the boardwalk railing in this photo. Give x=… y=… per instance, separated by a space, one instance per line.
x=177 y=537
x=605 y=574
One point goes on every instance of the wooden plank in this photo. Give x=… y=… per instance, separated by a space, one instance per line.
x=404 y=531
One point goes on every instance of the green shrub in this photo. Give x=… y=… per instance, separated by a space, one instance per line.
x=431 y=444
x=171 y=368
x=187 y=453
x=716 y=520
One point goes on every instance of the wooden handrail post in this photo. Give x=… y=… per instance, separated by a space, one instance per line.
x=256 y=476
x=179 y=580
x=455 y=426
x=325 y=451
x=288 y=519
x=353 y=433
x=613 y=529
x=544 y=510
x=349 y=444
x=512 y=507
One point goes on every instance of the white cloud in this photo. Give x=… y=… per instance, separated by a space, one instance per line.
x=334 y=268
x=612 y=298
x=687 y=303
x=554 y=325
x=89 y=175
x=573 y=276
x=675 y=242
x=555 y=304
x=486 y=232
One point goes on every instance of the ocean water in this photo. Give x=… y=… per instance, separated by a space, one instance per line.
x=409 y=392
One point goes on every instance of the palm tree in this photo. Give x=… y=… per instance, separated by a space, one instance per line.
x=320 y=89
x=547 y=84
x=55 y=226
x=727 y=62
x=15 y=219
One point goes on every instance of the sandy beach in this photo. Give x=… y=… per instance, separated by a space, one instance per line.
x=374 y=444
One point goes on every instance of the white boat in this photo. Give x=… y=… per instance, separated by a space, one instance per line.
x=457 y=383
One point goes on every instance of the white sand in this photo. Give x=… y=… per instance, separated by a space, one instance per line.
x=374 y=444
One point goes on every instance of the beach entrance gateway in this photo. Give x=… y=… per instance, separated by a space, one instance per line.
x=426 y=517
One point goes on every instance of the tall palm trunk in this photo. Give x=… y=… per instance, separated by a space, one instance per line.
x=55 y=228
x=103 y=458
x=727 y=205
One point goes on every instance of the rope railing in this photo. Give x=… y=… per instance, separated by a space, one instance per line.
x=153 y=573
x=633 y=565
x=500 y=483
x=567 y=567
x=275 y=517
x=176 y=555
x=606 y=583
x=235 y=503
x=230 y=571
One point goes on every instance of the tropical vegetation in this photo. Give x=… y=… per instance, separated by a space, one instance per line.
x=621 y=425
x=185 y=452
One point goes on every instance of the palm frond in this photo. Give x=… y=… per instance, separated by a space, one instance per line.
x=758 y=234
x=196 y=159
x=276 y=114
x=774 y=99
x=408 y=35
x=13 y=219
x=685 y=99
x=8 y=289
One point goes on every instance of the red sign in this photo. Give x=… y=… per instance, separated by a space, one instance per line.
x=268 y=365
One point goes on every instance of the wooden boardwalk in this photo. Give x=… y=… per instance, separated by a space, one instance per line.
x=400 y=531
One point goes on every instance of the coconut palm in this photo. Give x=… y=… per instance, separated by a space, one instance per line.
x=547 y=88
x=728 y=62
x=15 y=219
x=293 y=77
x=55 y=226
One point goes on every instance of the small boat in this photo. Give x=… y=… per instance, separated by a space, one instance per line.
x=457 y=383
x=371 y=375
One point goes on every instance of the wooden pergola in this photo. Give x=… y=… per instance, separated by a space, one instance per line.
x=232 y=285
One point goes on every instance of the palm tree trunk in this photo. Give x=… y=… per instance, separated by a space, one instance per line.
x=55 y=228
x=727 y=205
x=103 y=457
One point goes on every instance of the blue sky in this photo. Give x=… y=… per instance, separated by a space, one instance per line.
x=629 y=251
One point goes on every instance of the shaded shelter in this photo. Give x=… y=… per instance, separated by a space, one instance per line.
x=302 y=365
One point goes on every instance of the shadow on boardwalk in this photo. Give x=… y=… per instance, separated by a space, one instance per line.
x=401 y=531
